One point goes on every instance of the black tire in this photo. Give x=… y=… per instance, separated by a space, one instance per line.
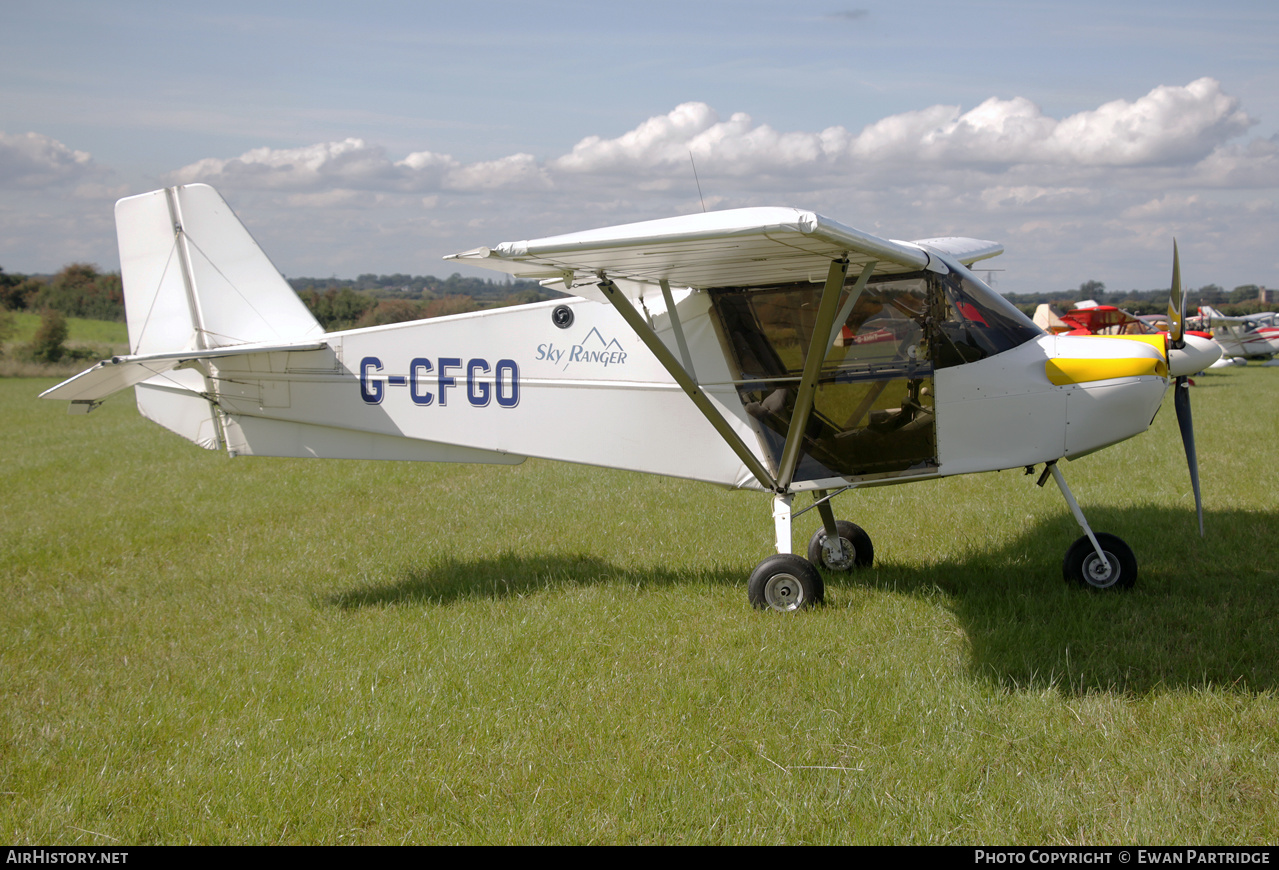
x=1084 y=568
x=855 y=540
x=785 y=582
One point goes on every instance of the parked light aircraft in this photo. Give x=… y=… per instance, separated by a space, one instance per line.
x=1241 y=338
x=769 y=349
x=1089 y=318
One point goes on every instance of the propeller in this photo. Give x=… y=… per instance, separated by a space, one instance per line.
x=1181 y=394
x=1176 y=304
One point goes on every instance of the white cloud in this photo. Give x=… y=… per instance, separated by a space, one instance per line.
x=349 y=163
x=428 y=164
x=1168 y=125
x=353 y=164
x=331 y=199
x=663 y=139
x=518 y=171
x=1032 y=197
x=736 y=147
x=1247 y=165
x=30 y=160
x=1164 y=208
x=1010 y=140
x=1062 y=194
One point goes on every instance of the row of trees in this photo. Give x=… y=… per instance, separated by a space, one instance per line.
x=374 y=300
x=1240 y=302
x=400 y=286
x=80 y=290
x=345 y=307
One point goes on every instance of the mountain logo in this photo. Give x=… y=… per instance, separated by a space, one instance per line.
x=594 y=350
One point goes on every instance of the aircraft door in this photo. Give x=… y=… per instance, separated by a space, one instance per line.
x=873 y=409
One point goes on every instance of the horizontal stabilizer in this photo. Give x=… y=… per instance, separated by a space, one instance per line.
x=121 y=372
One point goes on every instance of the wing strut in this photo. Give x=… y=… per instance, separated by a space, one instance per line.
x=646 y=334
x=679 y=329
x=818 y=344
x=847 y=308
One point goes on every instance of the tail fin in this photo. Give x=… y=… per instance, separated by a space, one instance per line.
x=195 y=279
x=196 y=285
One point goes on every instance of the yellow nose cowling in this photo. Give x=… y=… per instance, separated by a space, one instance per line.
x=1063 y=371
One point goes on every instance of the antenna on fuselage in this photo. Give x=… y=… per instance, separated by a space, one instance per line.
x=698 y=180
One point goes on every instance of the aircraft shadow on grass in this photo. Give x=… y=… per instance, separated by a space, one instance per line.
x=512 y=575
x=1202 y=614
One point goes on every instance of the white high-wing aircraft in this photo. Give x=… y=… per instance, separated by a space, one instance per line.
x=769 y=349
x=1242 y=338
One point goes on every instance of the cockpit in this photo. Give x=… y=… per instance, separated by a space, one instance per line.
x=873 y=412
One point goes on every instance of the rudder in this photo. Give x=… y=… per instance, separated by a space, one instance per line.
x=195 y=279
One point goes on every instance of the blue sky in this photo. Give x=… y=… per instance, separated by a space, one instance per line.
x=377 y=137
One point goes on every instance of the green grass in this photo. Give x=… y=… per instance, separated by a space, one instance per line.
x=79 y=330
x=199 y=649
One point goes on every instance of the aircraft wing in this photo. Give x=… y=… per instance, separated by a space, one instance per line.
x=747 y=247
x=1099 y=317
x=1217 y=319
x=967 y=251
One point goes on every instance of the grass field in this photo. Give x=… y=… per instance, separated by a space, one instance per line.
x=104 y=338
x=207 y=650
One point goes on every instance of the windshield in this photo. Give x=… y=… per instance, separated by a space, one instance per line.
x=977 y=322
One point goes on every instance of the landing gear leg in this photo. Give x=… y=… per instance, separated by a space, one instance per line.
x=833 y=551
x=781 y=521
x=1098 y=561
x=785 y=581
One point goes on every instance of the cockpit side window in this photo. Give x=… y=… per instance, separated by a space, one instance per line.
x=873 y=409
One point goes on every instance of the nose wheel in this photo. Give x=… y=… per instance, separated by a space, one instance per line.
x=1083 y=566
x=1095 y=561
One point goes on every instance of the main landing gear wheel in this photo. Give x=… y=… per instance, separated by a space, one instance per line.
x=858 y=550
x=785 y=582
x=1083 y=567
